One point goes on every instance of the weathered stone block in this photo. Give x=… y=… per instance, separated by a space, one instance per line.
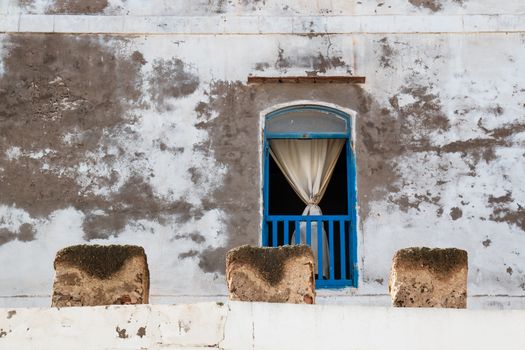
x=279 y=275
x=90 y=275
x=424 y=277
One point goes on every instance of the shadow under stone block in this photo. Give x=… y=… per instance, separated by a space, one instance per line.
x=425 y=277
x=91 y=275
x=279 y=275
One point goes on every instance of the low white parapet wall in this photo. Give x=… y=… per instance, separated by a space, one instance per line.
x=243 y=326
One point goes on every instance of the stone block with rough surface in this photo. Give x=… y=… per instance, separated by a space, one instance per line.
x=425 y=277
x=91 y=275
x=279 y=275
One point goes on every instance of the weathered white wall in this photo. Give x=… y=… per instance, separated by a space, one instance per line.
x=260 y=326
x=264 y=7
x=441 y=117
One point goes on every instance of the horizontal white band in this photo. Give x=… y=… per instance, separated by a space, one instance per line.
x=430 y=24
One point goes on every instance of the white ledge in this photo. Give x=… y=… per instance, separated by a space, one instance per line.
x=305 y=25
x=238 y=325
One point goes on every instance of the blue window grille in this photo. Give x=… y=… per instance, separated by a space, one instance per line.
x=341 y=230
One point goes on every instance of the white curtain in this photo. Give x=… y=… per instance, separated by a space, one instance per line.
x=308 y=166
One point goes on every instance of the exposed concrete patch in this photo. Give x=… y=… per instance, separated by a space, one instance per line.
x=387 y=52
x=137 y=56
x=432 y=5
x=506 y=209
x=6 y=236
x=65 y=7
x=456 y=213
x=141 y=331
x=58 y=84
x=314 y=64
x=77 y=7
x=422 y=111
x=78 y=94
x=188 y=254
x=135 y=200
x=510 y=216
x=170 y=79
x=121 y=332
x=25 y=233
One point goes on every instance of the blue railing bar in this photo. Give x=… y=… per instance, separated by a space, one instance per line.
x=309 y=233
x=331 y=243
x=306 y=135
x=344 y=283
x=297 y=233
x=319 y=249
x=274 y=233
x=351 y=247
x=308 y=217
x=342 y=244
x=286 y=237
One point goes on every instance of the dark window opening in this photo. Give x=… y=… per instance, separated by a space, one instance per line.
x=284 y=201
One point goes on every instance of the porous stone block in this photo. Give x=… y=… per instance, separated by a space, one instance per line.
x=91 y=275
x=425 y=277
x=278 y=275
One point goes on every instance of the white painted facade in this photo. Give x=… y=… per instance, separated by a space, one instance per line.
x=468 y=55
x=239 y=326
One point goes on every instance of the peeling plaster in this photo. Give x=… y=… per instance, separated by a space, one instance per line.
x=129 y=160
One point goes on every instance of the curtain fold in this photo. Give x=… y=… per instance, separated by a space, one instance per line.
x=308 y=166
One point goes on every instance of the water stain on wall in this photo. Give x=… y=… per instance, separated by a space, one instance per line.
x=25 y=233
x=64 y=97
x=71 y=7
x=77 y=7
x=387 y=51
x=236 y=127
x=314 y=64
x=170 y=79
x=432 y=5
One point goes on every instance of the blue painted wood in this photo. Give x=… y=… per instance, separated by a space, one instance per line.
x=274 y=233
x=286 y=233
x=266 y=191
x=342 y=248
x=344 y=227
x=332 y=284
x=320 y=240
x=306 y=135
x=347 y=226
x=307 y=217
x=331 y=248
x=352 y=207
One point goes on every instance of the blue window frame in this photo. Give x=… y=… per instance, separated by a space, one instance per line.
x=310 y=122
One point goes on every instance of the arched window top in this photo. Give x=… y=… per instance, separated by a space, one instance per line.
x=306 y=121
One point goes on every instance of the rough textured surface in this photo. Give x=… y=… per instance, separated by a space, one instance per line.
x=155 y=140
x=268 y=7
x=278 y=275
x=243 y=326
x=91 y=275
x=424 y=277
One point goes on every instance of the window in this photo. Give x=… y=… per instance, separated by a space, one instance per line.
x=309 y=188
